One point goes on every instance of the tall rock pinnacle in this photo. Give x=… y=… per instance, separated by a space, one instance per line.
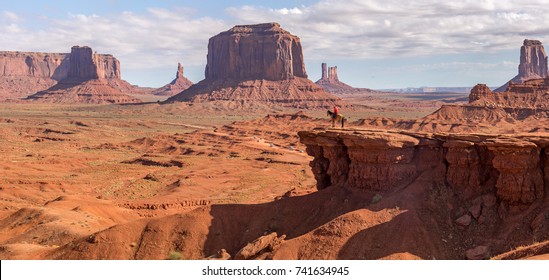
x=177 y=85
x=330 y=81
x=533 y=63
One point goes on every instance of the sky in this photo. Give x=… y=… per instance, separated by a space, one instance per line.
x=377 y=44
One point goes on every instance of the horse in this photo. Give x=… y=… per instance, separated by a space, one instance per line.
x=336 y=118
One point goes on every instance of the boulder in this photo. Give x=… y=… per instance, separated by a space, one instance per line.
x=478 y=253
x=266 y=243
x=464 y=220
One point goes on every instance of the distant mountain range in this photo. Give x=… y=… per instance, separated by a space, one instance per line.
x=432 y=89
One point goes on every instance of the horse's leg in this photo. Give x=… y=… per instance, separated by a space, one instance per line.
x=342 y=122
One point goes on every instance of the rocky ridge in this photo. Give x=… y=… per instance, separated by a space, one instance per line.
x=259 y=63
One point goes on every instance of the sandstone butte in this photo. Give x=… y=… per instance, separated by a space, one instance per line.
x=259 y=63
x=177 y=85
x=533 y=63
x=90 y=78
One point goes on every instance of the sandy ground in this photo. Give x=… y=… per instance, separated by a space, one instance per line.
x=142 y=181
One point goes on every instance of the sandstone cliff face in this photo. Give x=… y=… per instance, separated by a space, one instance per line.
x=511 y=168
x=25 y=73
x=33 y=64
x=177 y=85
x=91 y=78
x=86 y=65
x=255 y=52
x=257 y=63
x=533 y=63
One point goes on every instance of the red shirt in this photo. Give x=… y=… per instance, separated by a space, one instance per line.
x=336 y=110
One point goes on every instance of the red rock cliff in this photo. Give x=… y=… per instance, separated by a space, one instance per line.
x=86 y=65
x=255 y=52
x=512 y=168
x=487 y=190
x=25 y=73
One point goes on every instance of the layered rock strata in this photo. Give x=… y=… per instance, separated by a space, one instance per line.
x=177 y=85
x=513 y=168
x=533 y=63
x=261 y=62
x=25 y=73
x=90 y=78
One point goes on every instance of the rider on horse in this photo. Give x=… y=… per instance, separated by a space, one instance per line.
x=336 y=117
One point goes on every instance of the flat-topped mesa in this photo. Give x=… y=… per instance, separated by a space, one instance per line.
x=25 y=73
x=91 y=78
x=255 y=52
x=259 y=63
x=533 y=63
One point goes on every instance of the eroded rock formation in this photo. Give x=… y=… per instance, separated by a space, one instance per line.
x=255 y=52
x=331 y=83
x=90 y=78
x=177 y=85
x=261 y=62
x=510 y=167
x=533 y=63
x=25 y=73
x=86 y=65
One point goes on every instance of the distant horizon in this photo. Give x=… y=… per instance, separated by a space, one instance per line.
x=376 y=44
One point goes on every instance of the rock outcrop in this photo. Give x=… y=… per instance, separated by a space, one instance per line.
x=510 y=167
x=259 y=63
x=25 y=73
x=533 y=63
x=330 y=81
x=255 y=52
x=483 y=192
x=179 y=84
x=521 y=108
x=91 y=78
x=87 y=65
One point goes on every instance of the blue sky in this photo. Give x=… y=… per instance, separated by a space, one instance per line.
x=374 y=43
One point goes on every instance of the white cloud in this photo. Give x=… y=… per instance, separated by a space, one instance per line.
x=351 y=30
x=388 y=28
x=10 y=16
x=156 y=38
